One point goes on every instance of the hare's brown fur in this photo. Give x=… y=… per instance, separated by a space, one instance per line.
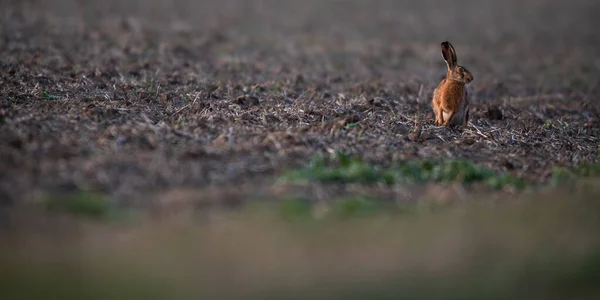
x=450 y=97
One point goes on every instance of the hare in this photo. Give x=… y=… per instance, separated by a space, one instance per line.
x=450 y=97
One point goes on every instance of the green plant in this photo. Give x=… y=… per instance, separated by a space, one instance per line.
x=45 y=95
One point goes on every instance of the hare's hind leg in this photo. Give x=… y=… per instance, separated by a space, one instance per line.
x=448 y=122
x=439 y=117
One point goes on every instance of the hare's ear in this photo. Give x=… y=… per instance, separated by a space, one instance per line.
x=449 y=54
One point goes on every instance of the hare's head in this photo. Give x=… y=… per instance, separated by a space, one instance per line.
x=455 y=71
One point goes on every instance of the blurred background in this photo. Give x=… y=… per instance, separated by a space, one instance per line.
x=546 y=43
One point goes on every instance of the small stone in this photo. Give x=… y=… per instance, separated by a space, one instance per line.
x=468 y=141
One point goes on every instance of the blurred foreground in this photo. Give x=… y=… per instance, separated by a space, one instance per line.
x=539 y=246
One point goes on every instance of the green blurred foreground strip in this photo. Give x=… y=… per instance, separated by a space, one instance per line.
x=542 y=246
x=351 y=207
x=82 y=203
x=561 y=176
x=85 y=204
x=341 y=168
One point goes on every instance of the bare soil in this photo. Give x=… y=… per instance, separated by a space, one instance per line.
x=143 y=98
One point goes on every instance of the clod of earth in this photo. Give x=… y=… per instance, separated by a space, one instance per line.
x=494 y=113
x=246 y=101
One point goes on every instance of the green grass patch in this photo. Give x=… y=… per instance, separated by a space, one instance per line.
x=341 y=168
x=85 y=204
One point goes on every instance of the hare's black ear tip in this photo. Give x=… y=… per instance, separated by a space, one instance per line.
x=445 y=44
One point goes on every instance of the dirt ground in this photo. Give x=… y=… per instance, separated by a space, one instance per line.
x=141 y=98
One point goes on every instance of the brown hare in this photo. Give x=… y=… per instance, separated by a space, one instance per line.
x=450 y=97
